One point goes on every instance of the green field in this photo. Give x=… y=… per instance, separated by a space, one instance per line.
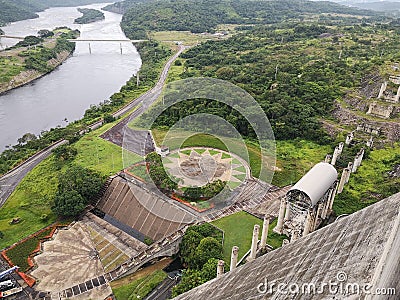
x=140 y=288
x=238 y=231
x=186 y=37
x=31 y=202
x=100 y=155
x=295 y=158
x=10 y=67
x=33 y=198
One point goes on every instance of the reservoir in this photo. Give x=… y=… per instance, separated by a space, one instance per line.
x=82 y=80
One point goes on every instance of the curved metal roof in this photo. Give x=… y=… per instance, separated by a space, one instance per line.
x=316 y=181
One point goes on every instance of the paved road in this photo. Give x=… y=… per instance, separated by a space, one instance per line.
x=10 y=180
x=163 y=291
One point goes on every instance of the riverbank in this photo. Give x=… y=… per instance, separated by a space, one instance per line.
x=23 y=65
x=29 y=76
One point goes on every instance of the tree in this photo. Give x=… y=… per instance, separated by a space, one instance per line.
x=64 y=153
x=27 y=137
x=76 y=188
x=69 y=203
x=187 y=248
x=190 y=279
x=44 y=33
x=208 y=248
x=86 y=182
x=209 y=270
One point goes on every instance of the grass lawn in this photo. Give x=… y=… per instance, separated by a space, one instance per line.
x=295 y=158
x=238 y=230
x=100 y=155
x=186 y=37
x=206 y=140
x=10 y=67
x=140 y=288
x=32 y=199
x=31 y=202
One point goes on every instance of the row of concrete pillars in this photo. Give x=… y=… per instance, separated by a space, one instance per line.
x=351 y=168
x=311 y=222
x=253 y=249
x=90 y=48
x=336 y=153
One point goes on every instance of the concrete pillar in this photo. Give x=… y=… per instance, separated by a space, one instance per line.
x=264 y=233
x=325 y=209
x=295 y=235
x=354 y=169
x=332 y=196
x=350 y=137
x=234 y=257
x=360 y=156
x=350 y=167
x=340 y=147
x=397 y=97
x=370 y=142
x=287 y=212
x=383 y=88
x=254 y=242
x=279 y=225
x=343 y=179
x=307 y=224
x=220 y=268
x=335 y=156
x=328 y=158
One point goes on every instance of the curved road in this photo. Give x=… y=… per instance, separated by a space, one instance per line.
x=10 y=180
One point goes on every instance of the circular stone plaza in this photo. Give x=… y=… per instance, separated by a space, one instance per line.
x=198 y=166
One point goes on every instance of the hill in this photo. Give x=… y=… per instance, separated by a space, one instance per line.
x=204 y=15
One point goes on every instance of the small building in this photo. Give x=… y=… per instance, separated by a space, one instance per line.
x=163 y=150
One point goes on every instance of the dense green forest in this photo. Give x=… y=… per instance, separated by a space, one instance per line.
x=294 y=71
x=89 y=16
x=205 y=15
x=16 y=10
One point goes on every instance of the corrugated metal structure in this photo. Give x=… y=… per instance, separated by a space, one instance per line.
x=314 y=184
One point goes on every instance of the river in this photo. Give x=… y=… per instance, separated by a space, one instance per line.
x=82 y=80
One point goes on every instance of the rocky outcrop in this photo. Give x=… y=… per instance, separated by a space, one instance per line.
x=391 y=130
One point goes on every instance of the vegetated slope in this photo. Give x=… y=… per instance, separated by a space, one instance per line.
x=205 y=15
x=11 y=11
x=89 y=16
x=293 y=71
x=16 y=10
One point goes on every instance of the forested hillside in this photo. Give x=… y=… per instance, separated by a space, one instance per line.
x=294 y=71
x=16 y=10
x=205 y=15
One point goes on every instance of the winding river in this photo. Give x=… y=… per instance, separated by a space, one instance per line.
x=84 y=79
